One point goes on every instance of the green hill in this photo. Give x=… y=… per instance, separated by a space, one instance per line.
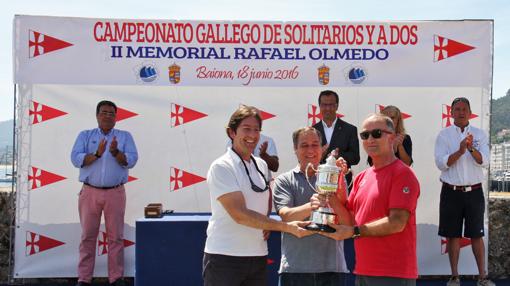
x=500 y=116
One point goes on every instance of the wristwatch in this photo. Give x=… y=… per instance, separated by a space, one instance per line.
x=471 y=150
x=97 y=155
x=356 y=231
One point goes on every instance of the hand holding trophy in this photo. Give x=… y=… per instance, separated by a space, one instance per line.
x=326 y=186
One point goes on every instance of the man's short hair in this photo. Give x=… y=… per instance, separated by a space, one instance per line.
x=240 y=114
x=384 y=118
x=461 y=99
x=328 y=93
x=107 y=103
x=297 y=133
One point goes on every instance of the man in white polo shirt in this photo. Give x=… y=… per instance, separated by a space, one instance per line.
x=236 y=250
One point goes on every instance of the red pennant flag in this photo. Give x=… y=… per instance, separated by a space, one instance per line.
x=39 y=177
x=124 y=114
x=102 y=243
x=39 y=112
x=265 y=115
x=36 y=243
x=181 y=115
x=130 y=179
x=463 y=243
x=181 y=179
x=404 y=115
x=40 y=44
x=446 y=48
x=314 y=115
x=446 y=116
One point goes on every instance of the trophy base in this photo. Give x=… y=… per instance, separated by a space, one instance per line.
x=320 y=227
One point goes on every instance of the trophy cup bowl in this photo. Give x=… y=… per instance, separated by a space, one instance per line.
x=326 y=186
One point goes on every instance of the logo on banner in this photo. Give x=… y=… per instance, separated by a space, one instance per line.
x=174 y=74
x=124 y=114
x=379 y=108
x=40 y=44
x=447 y=115
x=181 y=115
x=180 y=179
x=39 y=112
x=39 y=177
x=314 y=115
x=147 y=72
x=356 y=74
x=323 y=73
x=102 y=243
x=463 y=243
x=36 y=243
x=446 y=48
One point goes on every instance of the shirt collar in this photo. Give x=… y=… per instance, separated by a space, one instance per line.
x=332 y=125
x=236 y=159
x=107 y=134
x=466 y=129
x=297 y=169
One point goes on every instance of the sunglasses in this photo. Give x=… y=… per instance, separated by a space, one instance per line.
x=376 y=134
x=254 y=187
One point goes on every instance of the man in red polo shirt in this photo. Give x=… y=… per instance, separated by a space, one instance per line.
x=382 y=209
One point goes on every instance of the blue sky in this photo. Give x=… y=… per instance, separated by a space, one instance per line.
x=260 y=10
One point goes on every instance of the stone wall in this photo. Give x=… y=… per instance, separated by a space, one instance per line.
x=499 y=237
x=4 y=236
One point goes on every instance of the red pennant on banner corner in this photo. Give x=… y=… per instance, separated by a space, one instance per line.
x=39 y=177
x=39 y=112
x=380 y=108
x=131 y=179
x=36 y=243
x=180 y=179
x=446 y=48
x=314 y=114
x=40 y=44
x=181 y=115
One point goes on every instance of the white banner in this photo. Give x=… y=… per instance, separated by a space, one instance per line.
x=153 y=70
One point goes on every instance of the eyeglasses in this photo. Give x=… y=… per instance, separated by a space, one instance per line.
x=254 y=187
x=376 y=134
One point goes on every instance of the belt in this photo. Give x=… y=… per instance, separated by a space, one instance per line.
x=464 y=188
x=103 y=188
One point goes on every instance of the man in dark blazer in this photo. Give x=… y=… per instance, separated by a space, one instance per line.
x=337 y=134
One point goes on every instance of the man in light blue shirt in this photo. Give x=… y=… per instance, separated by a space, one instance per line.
x=103 y=155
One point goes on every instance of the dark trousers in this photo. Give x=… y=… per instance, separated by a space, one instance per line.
x=362 y=280
x=225 y=270
x=312 y=279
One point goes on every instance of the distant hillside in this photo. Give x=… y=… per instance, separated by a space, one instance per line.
x=5 y=134
x=500 y=114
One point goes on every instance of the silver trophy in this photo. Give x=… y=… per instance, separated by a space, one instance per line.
x=326 y=186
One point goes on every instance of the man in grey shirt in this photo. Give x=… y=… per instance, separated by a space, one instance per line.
x=312 y=260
